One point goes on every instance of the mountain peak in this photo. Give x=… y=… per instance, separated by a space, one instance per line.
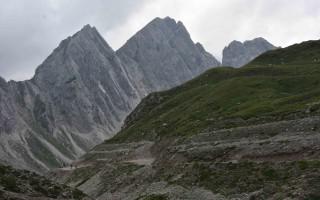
x=86 y=30
x=2 y=79
x=235 y=43
x=237 y=53
x=160 y=30
x=87 y=44
x=166 y=20
x=259 y=39
x=168 y=26
x=3 y=82
x=87 y=27
x=164 y=50
x=86 y=39
x=169 y=18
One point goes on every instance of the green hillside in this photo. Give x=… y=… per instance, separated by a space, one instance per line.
x=280 y=84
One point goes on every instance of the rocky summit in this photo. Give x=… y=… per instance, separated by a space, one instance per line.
x=80 y=95
x=237 y=54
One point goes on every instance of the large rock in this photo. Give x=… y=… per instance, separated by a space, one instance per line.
x=80 y=95
x=237 y=54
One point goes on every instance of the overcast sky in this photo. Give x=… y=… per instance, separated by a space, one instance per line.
x=30 y=30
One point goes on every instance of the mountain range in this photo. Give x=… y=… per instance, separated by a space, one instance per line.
x=80 y=95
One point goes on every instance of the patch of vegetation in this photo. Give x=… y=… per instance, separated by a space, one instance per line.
x=77 y=194
x=10 y=183
x=3 y=170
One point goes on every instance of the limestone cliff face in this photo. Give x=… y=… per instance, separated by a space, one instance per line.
x=162 y=55
x=237 y=54
x=82 y=92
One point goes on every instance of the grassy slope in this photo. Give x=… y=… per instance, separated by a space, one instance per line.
x=274 y=85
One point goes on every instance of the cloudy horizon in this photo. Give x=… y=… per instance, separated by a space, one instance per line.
x=29 y=31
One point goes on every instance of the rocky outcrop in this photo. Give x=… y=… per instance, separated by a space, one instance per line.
x=162 y=55
x=81 y=93
x=237 y=54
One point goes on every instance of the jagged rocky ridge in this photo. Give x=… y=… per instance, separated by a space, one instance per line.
x=237 y=54
x=247 y=133
x=82 y=92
